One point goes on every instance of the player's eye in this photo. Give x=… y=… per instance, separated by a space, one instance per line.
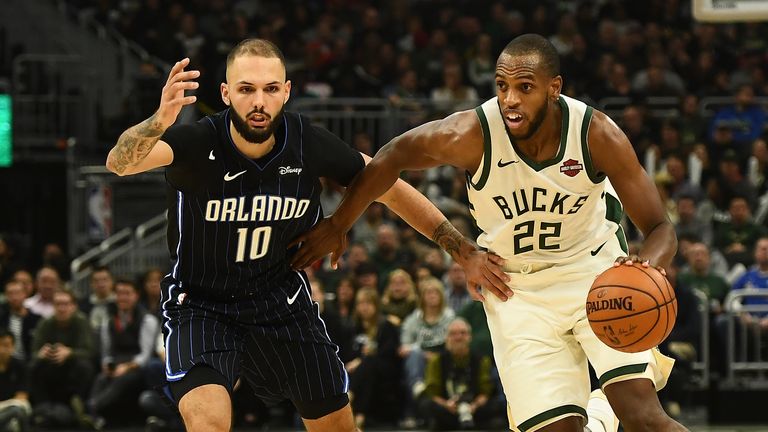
x=527 y=87
x=271 y=89
x=246 y=89
x=501 y=85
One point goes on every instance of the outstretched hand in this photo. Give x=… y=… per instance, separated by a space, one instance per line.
x=485 y=270
x=632 y=259
x=172 y=99
x=316 y=243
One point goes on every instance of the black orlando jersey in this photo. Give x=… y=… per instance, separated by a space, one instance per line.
x=231 y=218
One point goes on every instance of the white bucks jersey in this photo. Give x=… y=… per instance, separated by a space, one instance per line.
x=542 y=212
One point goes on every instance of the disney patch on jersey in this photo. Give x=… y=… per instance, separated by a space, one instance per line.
x=571 y=167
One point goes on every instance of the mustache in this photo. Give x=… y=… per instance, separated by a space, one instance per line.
x=258 y=111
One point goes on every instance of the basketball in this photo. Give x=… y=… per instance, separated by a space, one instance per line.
x=631 y=308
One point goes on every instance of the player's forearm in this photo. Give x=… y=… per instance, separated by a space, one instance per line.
x=134 y=145
x=660 y=245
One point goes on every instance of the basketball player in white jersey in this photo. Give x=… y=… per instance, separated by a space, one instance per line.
x=547 y=176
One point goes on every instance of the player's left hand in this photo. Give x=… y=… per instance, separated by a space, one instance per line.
x=632 y=259
x=485 y=270
x=316 y=243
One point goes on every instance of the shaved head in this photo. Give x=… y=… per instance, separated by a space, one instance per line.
x=533 y=45
x=255 y=47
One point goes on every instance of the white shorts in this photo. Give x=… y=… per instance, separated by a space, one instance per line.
x=542 y=341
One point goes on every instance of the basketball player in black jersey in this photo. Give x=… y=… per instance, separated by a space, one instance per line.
x=243 y=184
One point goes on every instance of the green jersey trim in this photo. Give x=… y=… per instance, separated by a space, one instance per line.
x=550 y=414
x=486 y=151
x=621 y=371
x=614 y=213
x=538 y=166
x=593 y=175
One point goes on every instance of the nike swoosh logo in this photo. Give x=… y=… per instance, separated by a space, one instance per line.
x=211 y=156
x=596 y=251
x=293 y=299
x=503 y=164
x=228 y=177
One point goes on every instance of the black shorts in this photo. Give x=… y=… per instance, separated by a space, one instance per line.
x=291 y=357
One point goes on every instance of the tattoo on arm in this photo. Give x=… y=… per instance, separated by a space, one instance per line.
x=448 y=238
x=135 y=143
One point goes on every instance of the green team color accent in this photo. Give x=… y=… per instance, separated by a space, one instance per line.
x=550 y=414
x=614 y=213
x=486 y=151
x=538 y=166
x=6 y=131
x=624 y=370
x=593 y=175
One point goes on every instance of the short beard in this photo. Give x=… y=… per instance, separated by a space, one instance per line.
x=536 y=122
x=253 y=135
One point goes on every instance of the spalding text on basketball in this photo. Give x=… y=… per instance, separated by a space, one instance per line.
x=624 y=303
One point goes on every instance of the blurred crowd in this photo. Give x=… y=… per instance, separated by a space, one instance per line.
x=417 y=348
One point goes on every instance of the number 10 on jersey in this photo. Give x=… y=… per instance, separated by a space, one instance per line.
x=259 y=242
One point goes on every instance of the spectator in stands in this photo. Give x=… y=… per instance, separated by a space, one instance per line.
x=750 y=324
x=399 y=299
x=757 y=166
x=680 y=184
x=423 y=332
x=375 y=367
x=160 y=415
x=24 y=277
x=481 y=66
x=458 y=383
x=128 y=338
x=14 y=397
x=18 y=320
x=637 y=128
x=340 y=333
x=367 y=275
x=453 y=94
x=388 y=255
x=700 y=277
x=54 y=256
x=96 y=305
x=683 y=344
x=150 y=293
x=689 y=222
x=732 y=182
x=366 y=228
x=344 y=303
x=47 y=282
x=736 y=238
x=692 y=125
x=62 y=372
x=8 y=262
x=746 y=118
x=456 y=294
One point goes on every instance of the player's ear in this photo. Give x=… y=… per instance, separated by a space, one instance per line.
x=225 y=93
x=555 y=86
x=287 y=91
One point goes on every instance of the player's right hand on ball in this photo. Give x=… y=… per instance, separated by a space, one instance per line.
x=172 y=99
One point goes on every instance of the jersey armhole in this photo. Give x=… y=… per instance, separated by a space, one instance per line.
x=596 y=177
x=485 y=163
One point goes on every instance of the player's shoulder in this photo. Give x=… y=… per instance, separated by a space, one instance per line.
x=603 y=133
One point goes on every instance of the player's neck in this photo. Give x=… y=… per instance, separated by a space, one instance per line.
x=249 y=149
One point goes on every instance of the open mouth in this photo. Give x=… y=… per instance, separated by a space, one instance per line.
x=258 y=120
x=513 y=119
